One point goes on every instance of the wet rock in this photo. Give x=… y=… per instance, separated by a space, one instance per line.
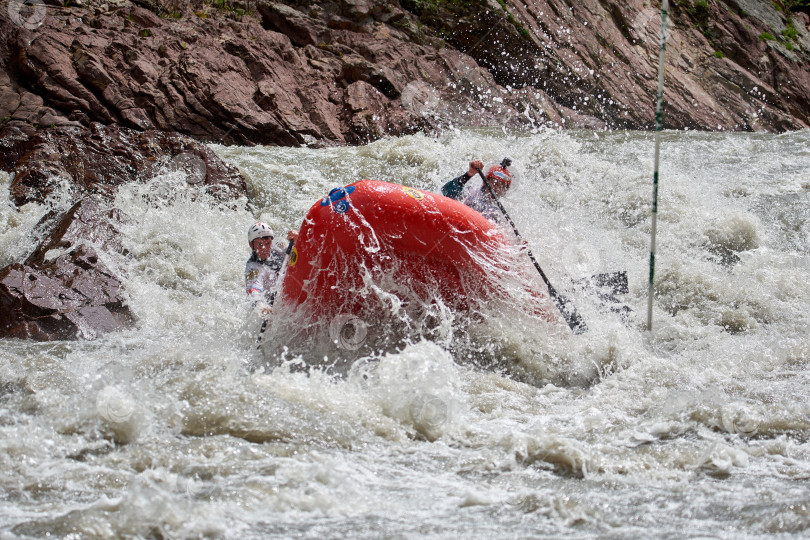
x=600 y=59
x=13 y=142
x=62 y=290
x=102 y=158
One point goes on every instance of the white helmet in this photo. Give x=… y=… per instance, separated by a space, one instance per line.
x=259 y=230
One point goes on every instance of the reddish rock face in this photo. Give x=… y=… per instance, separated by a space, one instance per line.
x=62 y=291
x=350 y=72
x=600 y=58
x=99 y=159
x=278 y=77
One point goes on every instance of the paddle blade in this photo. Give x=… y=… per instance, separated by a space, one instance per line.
x=608 y=287
x=575 y=321
x=615 y=282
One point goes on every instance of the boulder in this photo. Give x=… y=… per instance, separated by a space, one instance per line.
x=100 y=159
x=13 y=143
x=62 y=290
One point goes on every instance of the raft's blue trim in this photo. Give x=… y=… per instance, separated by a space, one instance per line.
x=337 y=194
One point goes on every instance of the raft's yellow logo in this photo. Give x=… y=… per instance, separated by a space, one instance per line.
x=415 y=193
x=293 y=256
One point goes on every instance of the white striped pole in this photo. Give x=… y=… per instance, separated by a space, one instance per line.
x=659 y=115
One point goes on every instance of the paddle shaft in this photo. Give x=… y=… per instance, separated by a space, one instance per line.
x=574 y=320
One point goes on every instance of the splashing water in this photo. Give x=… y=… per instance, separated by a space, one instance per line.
x=496 y=423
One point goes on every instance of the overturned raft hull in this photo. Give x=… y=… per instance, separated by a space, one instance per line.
x=381 y=254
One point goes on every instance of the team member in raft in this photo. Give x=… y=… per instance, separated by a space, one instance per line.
x=480 y=199
x=263 y=266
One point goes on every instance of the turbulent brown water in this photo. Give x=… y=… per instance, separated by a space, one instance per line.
x=700 y=428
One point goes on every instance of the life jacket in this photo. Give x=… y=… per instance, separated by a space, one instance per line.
x=261 y=275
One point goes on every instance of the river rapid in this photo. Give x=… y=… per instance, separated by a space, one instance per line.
x=180 y=428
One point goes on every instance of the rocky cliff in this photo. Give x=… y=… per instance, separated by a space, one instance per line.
x=349 y=71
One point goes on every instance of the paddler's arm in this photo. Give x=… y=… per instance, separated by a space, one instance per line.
x=279 y=258
x=454 y=187
x=255 y=291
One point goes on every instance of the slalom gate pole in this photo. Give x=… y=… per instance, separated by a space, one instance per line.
x=659 y=114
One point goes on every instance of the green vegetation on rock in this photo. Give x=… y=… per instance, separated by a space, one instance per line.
x=790 y=31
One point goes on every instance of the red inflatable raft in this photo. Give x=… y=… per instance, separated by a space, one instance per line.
x=371 y=245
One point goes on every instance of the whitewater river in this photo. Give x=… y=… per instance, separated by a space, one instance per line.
x=700 y=428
